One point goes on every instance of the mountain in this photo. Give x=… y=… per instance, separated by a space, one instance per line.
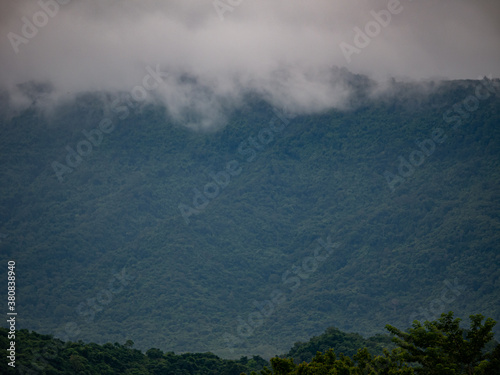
x=124 y=224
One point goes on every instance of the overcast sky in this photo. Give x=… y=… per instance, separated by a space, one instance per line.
x=284 y=48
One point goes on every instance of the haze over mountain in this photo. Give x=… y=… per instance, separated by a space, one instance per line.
x=281 y=49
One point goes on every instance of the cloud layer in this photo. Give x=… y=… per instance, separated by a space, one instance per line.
x=283 y=49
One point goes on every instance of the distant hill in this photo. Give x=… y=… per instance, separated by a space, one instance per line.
x=341 y=342
x=38 y=353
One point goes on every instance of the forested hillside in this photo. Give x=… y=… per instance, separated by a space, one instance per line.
x=265 y=232
x=44 y=354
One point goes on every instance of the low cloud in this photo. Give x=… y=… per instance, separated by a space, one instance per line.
x=288 y=51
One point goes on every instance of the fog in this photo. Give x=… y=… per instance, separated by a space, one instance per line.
x=210 y=53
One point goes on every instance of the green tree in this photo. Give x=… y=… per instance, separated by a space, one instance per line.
x=443 y=347
x=363 y=363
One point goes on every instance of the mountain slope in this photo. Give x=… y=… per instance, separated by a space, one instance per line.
x=305 y=233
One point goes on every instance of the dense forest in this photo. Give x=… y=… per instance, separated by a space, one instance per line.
x=433 y=347
x=261 y=233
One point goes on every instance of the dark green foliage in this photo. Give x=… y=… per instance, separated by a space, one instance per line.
x=46 y=355
x=442 y=347
x=437 y=347
x=341 y=342
x=329 y=364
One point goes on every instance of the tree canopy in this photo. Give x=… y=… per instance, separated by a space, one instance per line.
x=439 y=347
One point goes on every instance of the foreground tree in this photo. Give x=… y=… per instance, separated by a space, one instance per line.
x=442 y=347
x=439 y=347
